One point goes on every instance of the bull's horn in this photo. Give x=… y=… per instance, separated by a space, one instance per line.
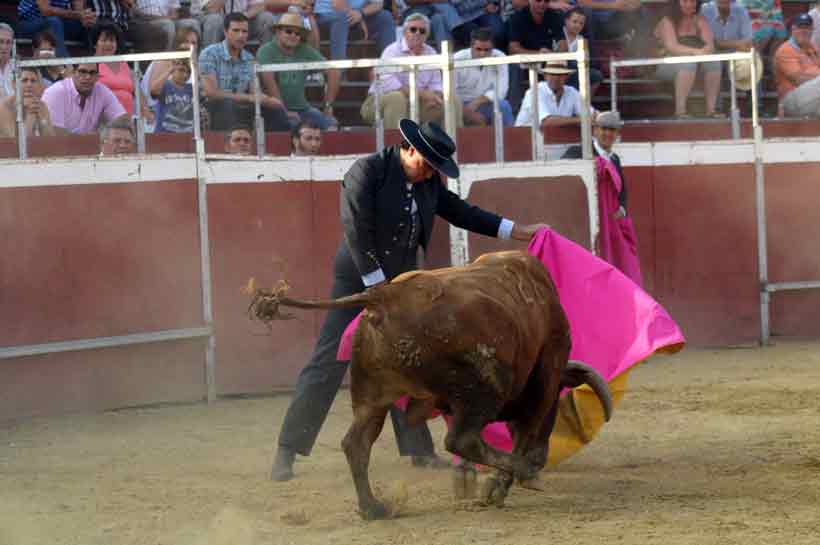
x=595 y=381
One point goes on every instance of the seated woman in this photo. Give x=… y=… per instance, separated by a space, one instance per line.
x=683 y=31
x=36 y=116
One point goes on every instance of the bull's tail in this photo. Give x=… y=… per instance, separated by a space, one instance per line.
x=577 y=373
x=265 y=304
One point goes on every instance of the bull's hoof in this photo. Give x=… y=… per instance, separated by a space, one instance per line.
x=374 y=511
x=494 y=492
x=465 y=482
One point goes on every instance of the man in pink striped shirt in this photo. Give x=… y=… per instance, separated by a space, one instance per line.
x=394 y=87
x=80 y=104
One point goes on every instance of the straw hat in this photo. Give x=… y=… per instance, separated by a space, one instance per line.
x=292 y=20
x=743 y=73
x=556 y=67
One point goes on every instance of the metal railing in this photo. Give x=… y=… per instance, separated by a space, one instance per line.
x=206 y=331
x=133 y=59
x=444 y=62
x=731 y=57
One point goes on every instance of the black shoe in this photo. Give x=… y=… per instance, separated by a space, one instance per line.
x=432 y=461
x=283 y=465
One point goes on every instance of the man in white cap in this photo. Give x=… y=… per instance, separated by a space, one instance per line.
x=558 y=104
x=388 y=203
x=616 y=238
x=797 y=71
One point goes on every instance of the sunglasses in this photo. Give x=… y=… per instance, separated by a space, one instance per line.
x=89 y=73
x=290 y=31
x=417 y=30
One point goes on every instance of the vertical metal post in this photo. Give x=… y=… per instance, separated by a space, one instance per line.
x=138 y=120
x=413 y=96
x=498 y=121
x=22 y=142
x=258 y=122
x=613 y=85
x=195 y=93
x=762 y=243
x=377 y=106
x=535 y=122
x=755 y=98
x=449 y=91
x=735 y=114
x=583 y=80
x=204 y=239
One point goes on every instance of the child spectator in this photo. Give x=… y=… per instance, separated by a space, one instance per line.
x=574 y=23
x=175 y=98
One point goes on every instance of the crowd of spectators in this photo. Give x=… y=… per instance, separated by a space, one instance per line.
x=85 y=98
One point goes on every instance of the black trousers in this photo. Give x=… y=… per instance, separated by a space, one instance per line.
x=320 y=379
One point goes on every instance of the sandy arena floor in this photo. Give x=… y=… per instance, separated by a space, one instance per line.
x=708 y=446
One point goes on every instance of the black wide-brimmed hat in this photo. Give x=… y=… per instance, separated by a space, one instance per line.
x=433 y=143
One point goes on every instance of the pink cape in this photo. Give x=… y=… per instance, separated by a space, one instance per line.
x=614 y=323
x=617 y=241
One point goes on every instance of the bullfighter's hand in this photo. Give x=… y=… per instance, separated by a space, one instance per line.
x=526 y=232
x=620 y=213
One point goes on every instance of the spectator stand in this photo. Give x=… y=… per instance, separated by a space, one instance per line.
x=205 y=331
x=447 y=65
x=731 y=57
x=136 y=74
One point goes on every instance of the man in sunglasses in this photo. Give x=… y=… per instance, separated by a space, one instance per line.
x=288 y=46
x=394 y=87
x=80 y=104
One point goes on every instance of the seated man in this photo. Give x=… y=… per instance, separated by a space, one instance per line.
x=117 y=138
x=65 y=19
x=337 y=17
x=306 y=139
x=534 y=29
x=475 y=87
x=797 y=71
x=393 y=87
x=260 y=20
x=574 y=26
x=286 y=47
x=153 y=24
x=442 y=14
x=35 y=114
x=117 y=12
x=227 y=72
x=80 y=104
x=730 y=24
x=238 y=141
x=6 y=69
x=558 y=104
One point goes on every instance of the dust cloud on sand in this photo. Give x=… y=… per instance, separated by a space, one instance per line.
x=707 y=447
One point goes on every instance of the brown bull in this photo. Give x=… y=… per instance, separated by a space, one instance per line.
x=485 y=342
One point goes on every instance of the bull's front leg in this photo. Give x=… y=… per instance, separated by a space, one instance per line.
x=465 y=480
x=357 y=444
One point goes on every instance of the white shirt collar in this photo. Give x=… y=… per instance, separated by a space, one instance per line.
x=601 y=151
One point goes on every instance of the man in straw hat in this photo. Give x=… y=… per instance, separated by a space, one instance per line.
x=617 y=243
x=388 y=202
x=797 y=71
x=288 y=46
x=732 y=30
x=558 y=103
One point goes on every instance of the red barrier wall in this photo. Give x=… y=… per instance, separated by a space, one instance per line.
x=111 y=259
